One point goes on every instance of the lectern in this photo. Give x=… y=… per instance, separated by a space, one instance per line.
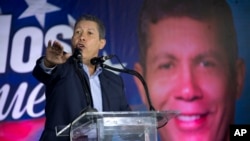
x=116 y=126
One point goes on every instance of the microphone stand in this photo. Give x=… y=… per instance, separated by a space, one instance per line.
x=85 y=83
x=135 y=73
x=78 y=65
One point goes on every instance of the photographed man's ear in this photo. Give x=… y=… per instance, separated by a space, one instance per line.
x=139 y=84
x=240 y=75
x=102 y=43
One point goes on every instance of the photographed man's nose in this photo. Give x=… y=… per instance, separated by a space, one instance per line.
x=83 y=37
x=188 y=87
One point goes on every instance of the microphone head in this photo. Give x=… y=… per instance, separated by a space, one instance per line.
x=77 y=54
x=95 y=61
x=100 y=60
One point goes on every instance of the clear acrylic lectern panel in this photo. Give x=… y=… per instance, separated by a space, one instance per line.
x=116 y=126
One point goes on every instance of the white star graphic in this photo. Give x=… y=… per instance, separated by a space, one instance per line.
x=109 y=63
x=71 y=21
x=38 y=8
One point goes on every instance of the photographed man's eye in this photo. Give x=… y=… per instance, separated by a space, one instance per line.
x=90 y=32
x=166 y=66
x=207 y=63
x=77 y=32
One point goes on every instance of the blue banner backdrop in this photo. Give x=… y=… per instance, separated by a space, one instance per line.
x=26 y=27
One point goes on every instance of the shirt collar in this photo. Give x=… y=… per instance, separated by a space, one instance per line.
x=96 y=73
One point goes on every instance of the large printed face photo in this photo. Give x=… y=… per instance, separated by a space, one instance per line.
x=187 y=70
x=196 y=66
x=189 y=59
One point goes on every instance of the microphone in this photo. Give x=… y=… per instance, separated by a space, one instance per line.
x=77 y=54
x=78 y=57
x=100 y=60
x=84 y=80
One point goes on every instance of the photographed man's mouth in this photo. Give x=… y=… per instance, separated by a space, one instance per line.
x=188 y=118
x=192 y=121
x=80 y=46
